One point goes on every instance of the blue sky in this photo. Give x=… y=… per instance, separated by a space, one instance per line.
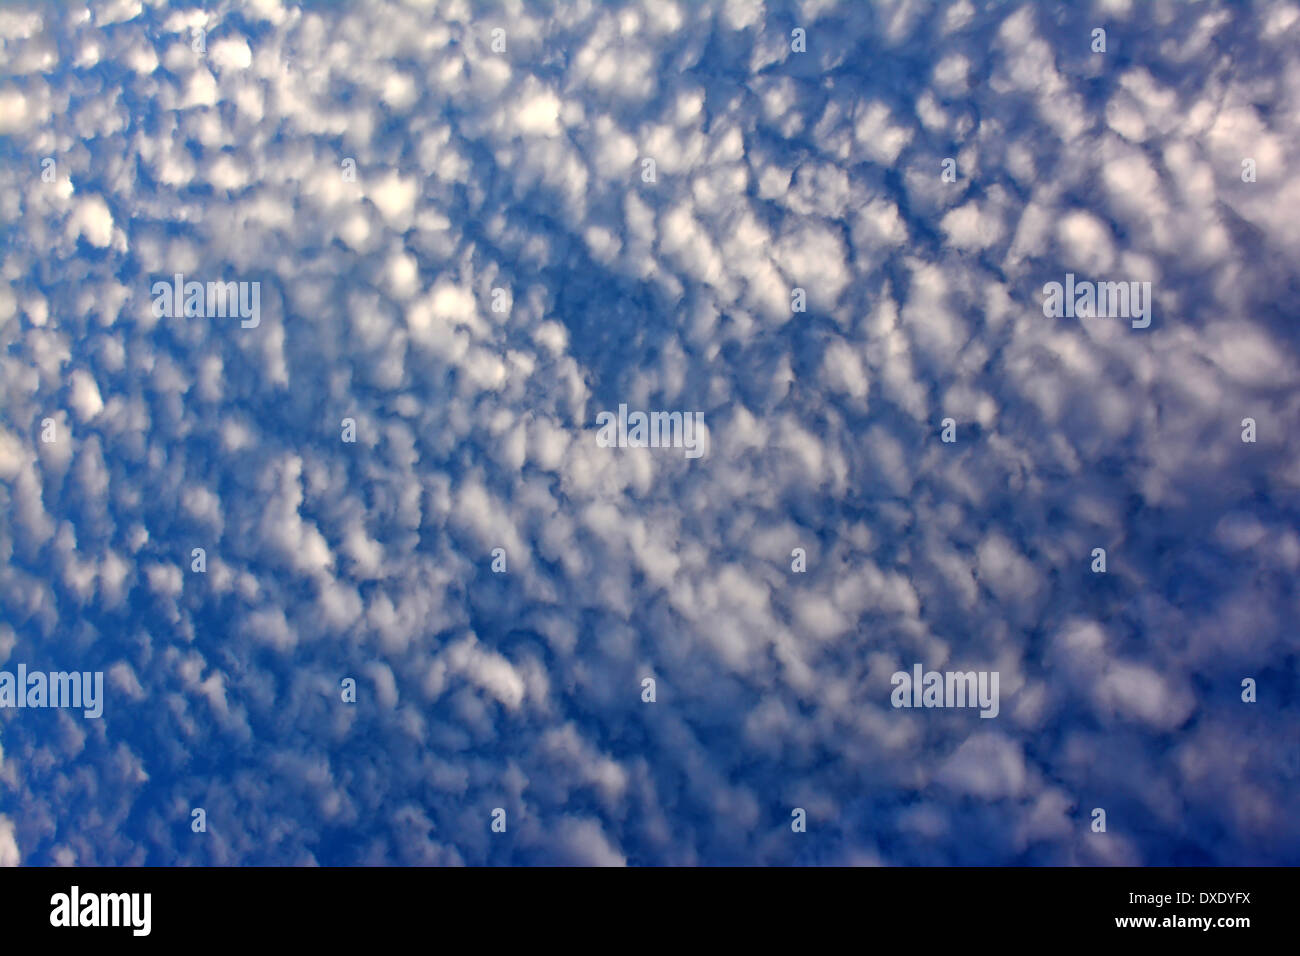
x=213 y=141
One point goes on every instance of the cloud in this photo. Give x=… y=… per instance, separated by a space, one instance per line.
x=499 y=272
x=9 y=855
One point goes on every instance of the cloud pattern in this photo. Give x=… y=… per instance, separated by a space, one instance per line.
x=522 y=170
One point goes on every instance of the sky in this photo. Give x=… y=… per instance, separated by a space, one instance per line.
x=829 y=229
